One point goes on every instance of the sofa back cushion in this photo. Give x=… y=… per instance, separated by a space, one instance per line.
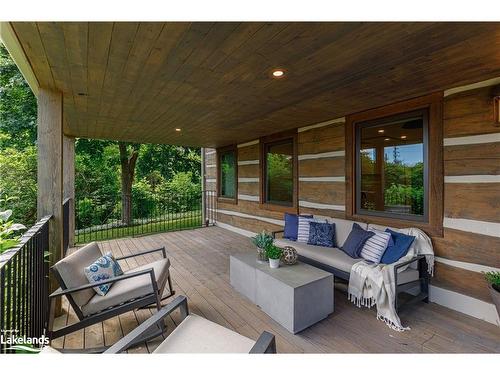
x=292 y=226
x=343 y=228
x=71 y=271
x=355 y=241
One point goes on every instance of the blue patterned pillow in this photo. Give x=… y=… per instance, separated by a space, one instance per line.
x=321 y=234
x=103 y=268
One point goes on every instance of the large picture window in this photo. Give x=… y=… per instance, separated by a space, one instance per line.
x=391 y=166
x=279 y=172
x=394 y=164
x=227 y=173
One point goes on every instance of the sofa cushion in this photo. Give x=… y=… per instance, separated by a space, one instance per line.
x=199 y=335
x=343 y=228
x=402 y=243
x=292 y=226
x=129 y=289
x=71 y=271
x=105 y=267
x=375 y=246
x=356 y=240
x=321 y=234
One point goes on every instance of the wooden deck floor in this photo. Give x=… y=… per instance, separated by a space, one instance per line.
x=200 y=271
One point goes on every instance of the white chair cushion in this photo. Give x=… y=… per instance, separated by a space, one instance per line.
x=199 y=335
x=129 y=289
x=71 y=271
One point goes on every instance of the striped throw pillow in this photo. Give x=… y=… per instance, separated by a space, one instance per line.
x=375 y=246
x=303 y=229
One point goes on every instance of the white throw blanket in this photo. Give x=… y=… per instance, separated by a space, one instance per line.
x=373 y=284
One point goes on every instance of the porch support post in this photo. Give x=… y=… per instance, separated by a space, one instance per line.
x=203 y=190
x=69 y=182
x=50 y=170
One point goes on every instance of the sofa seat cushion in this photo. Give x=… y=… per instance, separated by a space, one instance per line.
x=129 y=289
x=336 y=258
x=330 y=256
x=199 y=335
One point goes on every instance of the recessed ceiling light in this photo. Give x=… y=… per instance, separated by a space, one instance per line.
x=278 y=73
x=177 y=129
x=381 y=130
x=387 y=139
x=403 y=137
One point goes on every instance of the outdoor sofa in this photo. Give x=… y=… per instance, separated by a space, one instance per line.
x=408 y=279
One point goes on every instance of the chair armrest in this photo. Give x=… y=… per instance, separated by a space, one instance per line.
x=162 y=249
x=265 y=344
x=274 y=233
x=414 y=259
x=61 y=292
x=179 y=302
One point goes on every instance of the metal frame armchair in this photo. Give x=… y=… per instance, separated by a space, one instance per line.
x=141 y=287
x=193 y=335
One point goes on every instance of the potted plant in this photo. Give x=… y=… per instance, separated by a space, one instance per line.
x=262 y=241
x=493 y=279
x=274 y=254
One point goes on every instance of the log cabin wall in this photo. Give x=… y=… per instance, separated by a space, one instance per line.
x=471 y=239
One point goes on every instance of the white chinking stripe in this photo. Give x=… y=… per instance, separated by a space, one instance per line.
x=467 y=266
x=210 y=166
x=331 y=154
x=246 y=144
x=252 y=198
x=248 y=179
x=210 y=152
x=210 y=180
x=247 y=216
x=475 y=226
x=321 y=206
x=472 y=179
x=321 y=124
x=477 y=85
x=323 y=179
x=472 y=139
x=248 y=162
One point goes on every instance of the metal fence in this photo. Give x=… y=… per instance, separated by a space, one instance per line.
x=96 y=221
x=24 y=287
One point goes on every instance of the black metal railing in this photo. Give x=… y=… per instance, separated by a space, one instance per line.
x=96 y=220
x=24 y=287
x=66 y=218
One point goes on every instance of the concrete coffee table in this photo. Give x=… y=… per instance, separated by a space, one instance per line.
x=295 y=296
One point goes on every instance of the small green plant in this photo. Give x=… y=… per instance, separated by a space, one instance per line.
x=493 y=278
x=273 y=252
x=8 y=239
x=263 y=240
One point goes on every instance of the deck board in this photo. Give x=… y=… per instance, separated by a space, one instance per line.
x=200 y=270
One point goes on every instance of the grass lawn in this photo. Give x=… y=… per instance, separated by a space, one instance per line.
x=140 y=229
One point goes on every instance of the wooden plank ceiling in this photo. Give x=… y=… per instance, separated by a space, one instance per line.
x=140 y=81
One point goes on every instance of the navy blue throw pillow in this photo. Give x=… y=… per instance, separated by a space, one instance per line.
x=399 y=249
x=291 y=226
x=355 y=241
x=321 y=234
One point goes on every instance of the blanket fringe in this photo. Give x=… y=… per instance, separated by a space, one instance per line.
x=392 y=325
x=361 y=301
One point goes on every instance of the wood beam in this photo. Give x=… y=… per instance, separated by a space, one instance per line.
x=50 y=170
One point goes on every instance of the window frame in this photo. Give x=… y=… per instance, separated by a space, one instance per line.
x=265 y=142
x=386 y=120
x=432 y=223
x=220 y=152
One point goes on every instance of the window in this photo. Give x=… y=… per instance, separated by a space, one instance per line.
x=394 y=165
x=227 y=173
x=391 y=166
x=279 y=185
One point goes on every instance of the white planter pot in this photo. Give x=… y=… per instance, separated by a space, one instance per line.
x=274 y=263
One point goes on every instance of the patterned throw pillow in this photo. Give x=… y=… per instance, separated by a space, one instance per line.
x=103 y=268
x=375 y=246
x=321 y=234
x=303 y=231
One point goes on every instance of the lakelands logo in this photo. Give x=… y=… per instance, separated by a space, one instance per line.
x=22 y=343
